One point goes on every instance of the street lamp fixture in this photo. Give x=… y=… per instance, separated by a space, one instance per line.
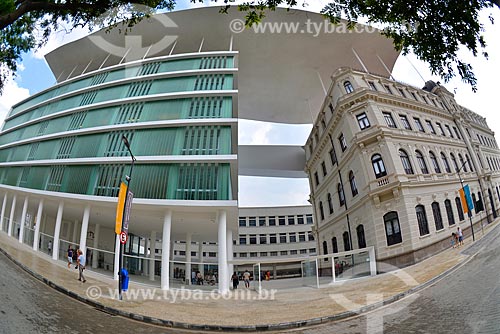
x=128 y=178
x=469 y=213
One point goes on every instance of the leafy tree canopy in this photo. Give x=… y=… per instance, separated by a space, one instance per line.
x=432 y=29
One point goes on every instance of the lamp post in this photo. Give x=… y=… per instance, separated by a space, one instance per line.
x=128 y=178
x=469 y=213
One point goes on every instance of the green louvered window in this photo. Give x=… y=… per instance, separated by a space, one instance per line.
x=33 y=150
x=77 y=119
x=109 y=179
x=99 y=79
x=115 y=146
x=129 y=113
x=23 y=182
x=148 y=69
x=55 y=178
x=66 y=147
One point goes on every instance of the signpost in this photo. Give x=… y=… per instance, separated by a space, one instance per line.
x=123 y=238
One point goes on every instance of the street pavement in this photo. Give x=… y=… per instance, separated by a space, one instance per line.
x=465 y=302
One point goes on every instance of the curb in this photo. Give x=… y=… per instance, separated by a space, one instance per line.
x=251 y=328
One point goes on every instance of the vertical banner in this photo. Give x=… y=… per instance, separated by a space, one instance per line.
x=119 y=208
x=128 y=206
x=468 y=199
x=463 y=201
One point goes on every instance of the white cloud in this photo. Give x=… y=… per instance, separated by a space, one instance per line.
x=269 y=191
x=12 y=94
x=59 y=38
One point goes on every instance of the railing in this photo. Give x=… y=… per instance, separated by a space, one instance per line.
x=383 y=181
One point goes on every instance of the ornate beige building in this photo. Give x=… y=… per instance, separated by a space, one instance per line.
x=385 y=160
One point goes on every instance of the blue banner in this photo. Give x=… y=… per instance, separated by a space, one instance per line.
x=468 y=198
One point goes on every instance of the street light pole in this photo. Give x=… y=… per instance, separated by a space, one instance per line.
x=469 y=213
x=128 y=178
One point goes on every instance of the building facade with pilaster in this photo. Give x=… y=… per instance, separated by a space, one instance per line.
x=385 y=162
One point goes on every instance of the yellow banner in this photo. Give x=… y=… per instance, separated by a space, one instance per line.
x=119 y=207
x=463 y=200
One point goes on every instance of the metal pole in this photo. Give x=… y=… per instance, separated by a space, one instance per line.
x=128 y=178
x=466 y=204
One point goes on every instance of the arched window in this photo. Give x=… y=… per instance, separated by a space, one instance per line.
x=438 y=219
x=405 y=160
x=421 y=162
x=423 y=226
x=347 y=244
x=445 y=163
x=434 y=162
x=454 y=162
x=335 y=248
x=330 y=203
x=325 y=247
x=458 y=203
x=449 y=212
x=492 y=203
x=321 y=211
x=474 y=201
x=341 y=194
x=392 y=228
x=352 y=182
x=470 y=163
x=462 y=163
x=378 y=166
x=348 y=87
x=360 y=231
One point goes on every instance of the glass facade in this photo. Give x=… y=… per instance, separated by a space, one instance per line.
x=86 y=117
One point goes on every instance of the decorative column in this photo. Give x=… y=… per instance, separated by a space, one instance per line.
x=37 y=226
x=222 y=254
x=23 y=219
x=188 y=258
x=229 y=243
x=152 y=255
x=83 y=232
x=95 y=252
x=57 y=231
x=200 y=257
x=165 y=250
x=2 y=216
x=12 y=211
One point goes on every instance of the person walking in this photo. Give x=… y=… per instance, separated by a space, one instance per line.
x=49 y=247
x=81 y=266
x=460 y=236
x=75 y=257
x=235 y=280
x=70 y=256
x=246 y=279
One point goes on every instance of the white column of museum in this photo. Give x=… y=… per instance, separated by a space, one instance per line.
x=189 y=275
x=2 y=215
x=23 y=219
x=95 y=246
x=229 y=244
x=12 y=211
x=165 y=250
x=57 y=230
x=152 y=255
x=222 y=252
x=83 y=232
x=37 y=225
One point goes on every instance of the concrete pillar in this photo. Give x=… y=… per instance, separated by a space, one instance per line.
x=222 y=253
x=12 y=211
x=75 y=232
x=188 y=258
x=57 y=231
x=23 y=219
x=95 y=252
x=165 y=251
x=152 y=255
x=37 y=226
x=116 y=264
x=229 y=243
x=2 y=216
x=200 y=257
x=83 y=232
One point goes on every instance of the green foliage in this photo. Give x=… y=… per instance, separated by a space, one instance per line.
x=432 y=29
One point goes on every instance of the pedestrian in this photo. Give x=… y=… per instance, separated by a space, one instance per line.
x=235 y=280
x=453 y=240
x=246 y=279
x=199 y=278
x=460 y=236
x=81 y=266
x=75 y=257
x=70 y=256
x=49 y=247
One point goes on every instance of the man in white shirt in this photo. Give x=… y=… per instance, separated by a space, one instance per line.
x=81 y=266
x=246 y=279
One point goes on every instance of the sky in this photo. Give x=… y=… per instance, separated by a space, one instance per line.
x=34 y=76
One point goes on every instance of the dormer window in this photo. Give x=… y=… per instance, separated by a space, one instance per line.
x=348 y=87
